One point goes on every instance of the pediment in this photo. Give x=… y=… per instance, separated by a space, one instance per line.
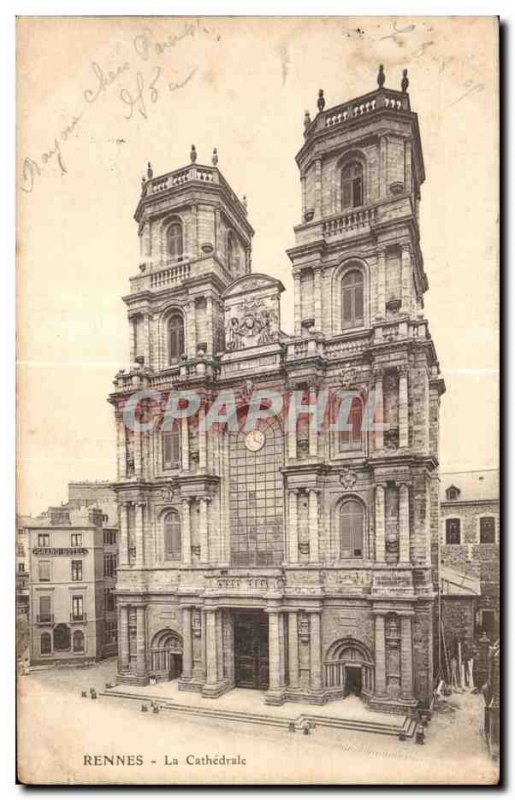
x=250 y=283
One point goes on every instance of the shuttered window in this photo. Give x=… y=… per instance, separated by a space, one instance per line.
x=352 y=185
x=171 y=442
x=351 y=529
x=352 y=299
x=172 y=535
x=351 y=440
x=174 y=243
x=175 y=337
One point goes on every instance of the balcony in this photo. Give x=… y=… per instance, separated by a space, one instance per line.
x=156 y=275
x=45 y=619
x=77 y=618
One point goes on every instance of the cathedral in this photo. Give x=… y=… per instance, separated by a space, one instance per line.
x=296 y=560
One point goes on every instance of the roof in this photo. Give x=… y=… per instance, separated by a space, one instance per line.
x=473 y=485
x=457 y=583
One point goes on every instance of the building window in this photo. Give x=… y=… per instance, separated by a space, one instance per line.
x=352 y=439
x=232 y=252
x=171 y=446
x=109 y=537
x=110 y=631
x=45 y=644
x=351 y=529
x=452 y=531
x=76 y=539
x=43 y=540
x=175 y=337
x=109 y=599
x=172 y=533
x=78 y=642
x=174 y=242
x=487 y=530
x=352 y=299
x=44 y=570
x=452 y=493
x=45 y=609
x=352 y=185
x=77 y=608
x=110 y=565
x=76 y=570
x=21 y=567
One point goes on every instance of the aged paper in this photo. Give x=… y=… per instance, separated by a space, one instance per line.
x=258 y=493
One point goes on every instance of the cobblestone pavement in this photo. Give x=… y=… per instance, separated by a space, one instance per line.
x=61 y=733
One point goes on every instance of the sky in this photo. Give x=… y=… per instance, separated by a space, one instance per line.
x=99 y=98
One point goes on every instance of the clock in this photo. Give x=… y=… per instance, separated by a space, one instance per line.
x=254 y=441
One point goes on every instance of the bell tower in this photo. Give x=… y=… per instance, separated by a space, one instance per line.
x=357 y=260
x=195 y=239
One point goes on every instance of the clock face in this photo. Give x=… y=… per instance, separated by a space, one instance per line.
x=254 y=441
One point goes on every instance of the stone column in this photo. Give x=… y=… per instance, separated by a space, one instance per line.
x=318 y=188
x=211 y=649
x=380 y=523
x=123 y=550
x=121 y=454
x=379 y=410
x=293 y=650
x=314 y=653
x=403 y=408
x=186 y=531
x=185 y=445
x=209 y=325
x=404 y=530
x=292 y=437
x=204 y=530
x=317 y=291
x=406 y=658
x=313 y=423
x=187 y=644
x=202 y=440
x=406 y=279
x=276 y=680
x=293 y=530
x=138 y=464
x=297 y=304
x=381 y=284
x=141 y=642
x=219 y=645
x=380 y=656
x=139 y=534
x=314 y=545
x=123 y=637
x=190 y=333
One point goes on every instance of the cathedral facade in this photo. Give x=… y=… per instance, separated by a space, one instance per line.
x=298 y=560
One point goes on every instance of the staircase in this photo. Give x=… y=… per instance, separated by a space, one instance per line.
x=302 y=722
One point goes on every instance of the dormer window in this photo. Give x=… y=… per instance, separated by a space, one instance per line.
x=352 y=185
x=174 y=241
x=452 y=493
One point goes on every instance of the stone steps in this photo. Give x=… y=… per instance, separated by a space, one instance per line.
x=299 y=723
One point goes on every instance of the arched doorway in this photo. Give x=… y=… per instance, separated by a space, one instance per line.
x=166 y=655
x=349 y=668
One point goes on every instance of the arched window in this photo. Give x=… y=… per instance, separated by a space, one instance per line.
x=174 y=243
x=352 y=299
x=46 y=644
x=352 y=439
x=351 y=529
x=232 y=252
x=352 y=185
x=172 y=535
x=78 y=642
x=175 y=337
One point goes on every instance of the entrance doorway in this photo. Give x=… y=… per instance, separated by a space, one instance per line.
x=352 y=683
x=251 y=650
x=166 y=655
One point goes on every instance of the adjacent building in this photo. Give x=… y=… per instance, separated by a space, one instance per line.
x=71 y=555
x=469 y=556
x=300 y=562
